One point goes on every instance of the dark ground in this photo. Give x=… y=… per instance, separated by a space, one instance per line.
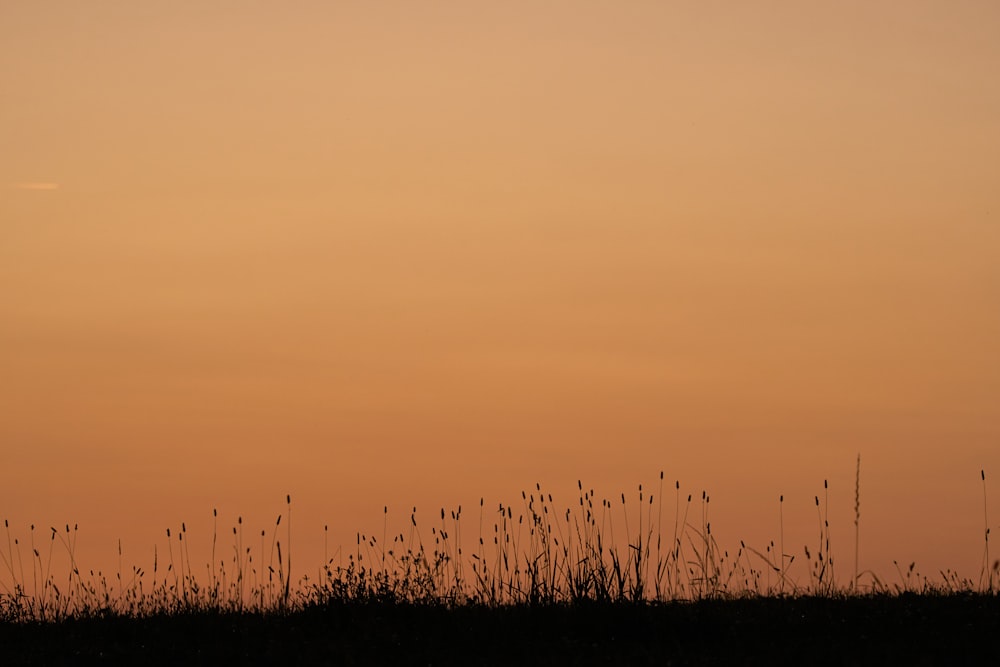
x=903 y=630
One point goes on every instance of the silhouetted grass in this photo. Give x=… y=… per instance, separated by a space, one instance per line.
x=605 y=580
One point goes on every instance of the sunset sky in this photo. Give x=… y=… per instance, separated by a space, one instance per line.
x=418 y=253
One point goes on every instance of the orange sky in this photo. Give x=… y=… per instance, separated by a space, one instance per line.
x=418 y=253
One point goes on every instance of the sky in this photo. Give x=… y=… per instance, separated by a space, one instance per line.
x=379 y=254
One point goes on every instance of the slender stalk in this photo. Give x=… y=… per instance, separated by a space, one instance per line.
x=987 y=575
x=781 y=537
x=857 y=521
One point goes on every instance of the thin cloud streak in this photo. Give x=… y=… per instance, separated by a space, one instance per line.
x=34 y=186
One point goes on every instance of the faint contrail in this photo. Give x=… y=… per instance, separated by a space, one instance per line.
x=35 y=186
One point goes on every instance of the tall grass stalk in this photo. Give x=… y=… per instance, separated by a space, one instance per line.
x=987 y=572
x=857 y=521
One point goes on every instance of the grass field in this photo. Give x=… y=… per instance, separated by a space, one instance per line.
x=907 y=629
x=539 y=585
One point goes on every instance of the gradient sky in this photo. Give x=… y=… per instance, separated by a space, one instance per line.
x=402 y=253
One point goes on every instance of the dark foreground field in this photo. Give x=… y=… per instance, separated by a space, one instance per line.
x=907 y=629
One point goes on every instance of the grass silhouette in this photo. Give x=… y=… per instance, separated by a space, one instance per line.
x=597 y=563
x=600 y=551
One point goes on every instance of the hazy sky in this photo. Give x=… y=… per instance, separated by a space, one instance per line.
x=403 y=253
